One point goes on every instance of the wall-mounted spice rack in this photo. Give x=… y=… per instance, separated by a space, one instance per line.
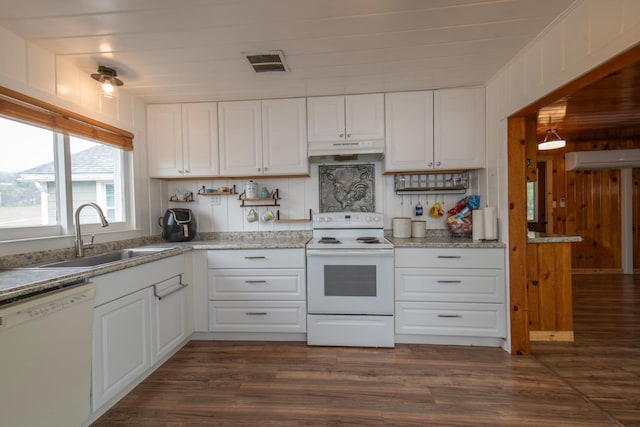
x=456 y=182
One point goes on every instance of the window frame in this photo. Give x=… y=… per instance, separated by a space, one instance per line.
x=65 y=216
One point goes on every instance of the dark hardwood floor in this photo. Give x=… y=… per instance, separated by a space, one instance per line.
x=594 y=381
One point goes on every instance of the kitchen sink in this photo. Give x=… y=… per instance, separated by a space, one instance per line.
x=106 y=258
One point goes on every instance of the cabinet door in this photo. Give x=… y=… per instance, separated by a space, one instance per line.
x=325 y=118
x=409 y=131
x=284 y=136
x=164 y=135
x=240 y=138
x=200 y=139
x=169 y=316
x=121 y=344
x=459 y=126
x=364 y=117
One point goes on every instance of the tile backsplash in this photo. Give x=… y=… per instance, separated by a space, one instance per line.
x=297 y=196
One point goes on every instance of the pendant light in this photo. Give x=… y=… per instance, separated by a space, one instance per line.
x=107 y=77
x=551 y=141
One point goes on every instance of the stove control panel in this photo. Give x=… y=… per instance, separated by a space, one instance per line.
x=348 y=220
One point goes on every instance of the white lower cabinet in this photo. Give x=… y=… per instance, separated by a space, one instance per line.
x=450 y=295
x=122 y=344
x=257 y=291
x=142 y=315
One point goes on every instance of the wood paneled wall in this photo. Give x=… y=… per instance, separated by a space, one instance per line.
x=636 y=220
x=549 y=292
x=588 y=204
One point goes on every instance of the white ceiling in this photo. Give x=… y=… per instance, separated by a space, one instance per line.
x=190 y=50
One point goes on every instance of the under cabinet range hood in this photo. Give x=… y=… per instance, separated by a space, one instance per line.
x=346 y=150
x=605 y=159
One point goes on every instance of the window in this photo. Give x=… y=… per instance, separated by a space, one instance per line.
x=35 y=185
x=28 y=182
x=532 y=201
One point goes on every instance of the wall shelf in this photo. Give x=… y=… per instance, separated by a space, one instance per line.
x=431 y=183
x=232 y=191
x=291 y=220
x=260 y=201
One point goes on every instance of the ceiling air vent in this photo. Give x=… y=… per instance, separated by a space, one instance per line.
x=267 y=61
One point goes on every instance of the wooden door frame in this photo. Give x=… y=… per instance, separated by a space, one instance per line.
x=517 y=194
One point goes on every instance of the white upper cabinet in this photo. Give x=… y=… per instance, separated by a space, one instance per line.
x=240 y=124
x=459 y=128
x=263 y=137
x=435 y=130
x=284 y=137
x=409 y=131
x=344 y=118
x=183 y=140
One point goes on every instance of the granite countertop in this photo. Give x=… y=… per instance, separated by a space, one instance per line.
x=443 y=242
x=21 y=277
x=537 y=237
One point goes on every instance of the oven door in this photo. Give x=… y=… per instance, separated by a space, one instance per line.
x=345 y=281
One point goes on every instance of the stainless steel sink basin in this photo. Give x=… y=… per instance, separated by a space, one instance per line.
x=106 y=258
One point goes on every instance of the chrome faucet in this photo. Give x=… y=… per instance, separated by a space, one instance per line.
x=103 y=221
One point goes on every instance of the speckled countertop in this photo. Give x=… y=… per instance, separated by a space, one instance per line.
x=19 y=276
x=536 y=237
x=443 y=242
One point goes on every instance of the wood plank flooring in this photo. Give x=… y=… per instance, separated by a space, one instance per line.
x=594 y=381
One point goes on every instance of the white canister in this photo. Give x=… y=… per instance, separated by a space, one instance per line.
x=401 y=227
x=418 y=228
x=251 y=190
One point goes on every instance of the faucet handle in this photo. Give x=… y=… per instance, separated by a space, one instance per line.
x=93 y=236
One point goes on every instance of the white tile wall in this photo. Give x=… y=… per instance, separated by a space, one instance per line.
x=298 y=195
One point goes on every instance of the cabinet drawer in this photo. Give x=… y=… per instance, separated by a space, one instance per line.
x=257 y=284
x=257 y=316
x=444 y=285
x=449 y=257
x=256 y=258
x=453 y=319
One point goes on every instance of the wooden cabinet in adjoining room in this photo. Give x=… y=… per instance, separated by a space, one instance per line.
x=183 y=140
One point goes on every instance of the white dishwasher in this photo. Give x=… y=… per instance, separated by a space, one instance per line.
x=45 y=358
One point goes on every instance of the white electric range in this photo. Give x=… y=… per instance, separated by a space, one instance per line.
x=350 y=289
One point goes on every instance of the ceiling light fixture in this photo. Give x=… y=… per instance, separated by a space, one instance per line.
x=107 y=77
x=552 y=141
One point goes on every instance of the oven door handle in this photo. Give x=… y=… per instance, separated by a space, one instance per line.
x=350 y=252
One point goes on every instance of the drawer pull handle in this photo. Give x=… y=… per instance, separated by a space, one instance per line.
x=255 y=281
x=255 y=257
x=449 y=315
x=449 y=256
x=256 y=313
x=449 y=281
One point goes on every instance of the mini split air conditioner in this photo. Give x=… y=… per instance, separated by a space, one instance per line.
x=607 y=159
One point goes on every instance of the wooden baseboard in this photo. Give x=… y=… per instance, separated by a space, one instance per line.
x=551 y=336
x=596 y=271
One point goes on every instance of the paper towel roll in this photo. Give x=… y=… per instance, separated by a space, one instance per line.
x=477 y=220
x=490 y=224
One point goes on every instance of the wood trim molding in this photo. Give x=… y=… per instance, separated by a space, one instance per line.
x=27 y=109
x=551 y=336
x=517 y=249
